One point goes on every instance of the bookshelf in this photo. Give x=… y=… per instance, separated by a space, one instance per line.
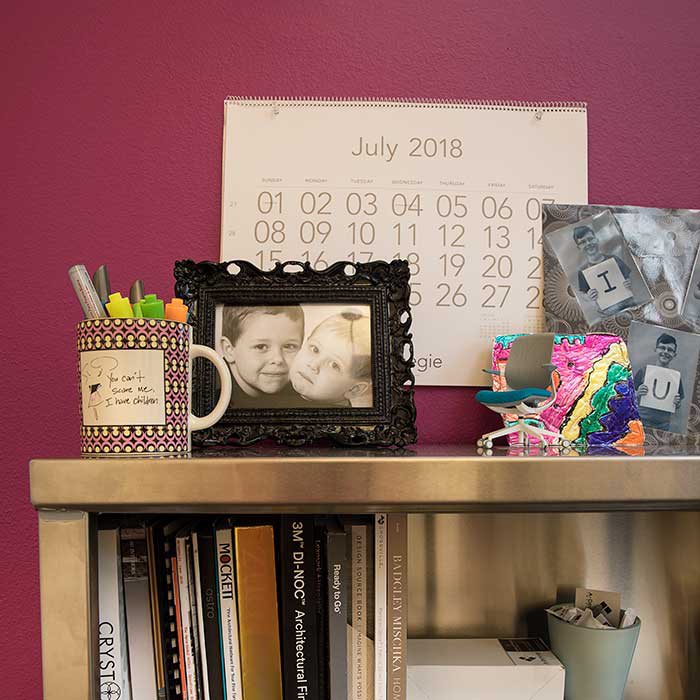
x=490 y=536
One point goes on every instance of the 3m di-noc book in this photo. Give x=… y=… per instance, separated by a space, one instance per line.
x=298 y=603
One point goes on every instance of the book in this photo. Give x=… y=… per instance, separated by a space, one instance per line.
x=337 y=593
x=203 y=668
x=137 y=604
x=186 y=614
x=370 y=612
x=257 y=609
x=155 y=612
x=380 y=607
x=209 y=637
x=194 y=617
x=298 y=601
x=397 y=593
x=361 y=615
x=321 y=618
x=181 y=672
x=228 y=613
x=113 y=660
x=163 y=533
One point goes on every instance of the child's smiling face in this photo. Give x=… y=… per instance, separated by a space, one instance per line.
x=588 y=243
x=665 y=352
x=323 y=369
x=264 y=351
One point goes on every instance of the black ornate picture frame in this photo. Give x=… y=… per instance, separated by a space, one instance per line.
x=383 y=287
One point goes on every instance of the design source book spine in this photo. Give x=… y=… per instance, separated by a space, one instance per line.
x=299 y=633
x=360 y=679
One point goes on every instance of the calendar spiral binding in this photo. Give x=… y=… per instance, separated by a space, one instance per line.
x=498 y=105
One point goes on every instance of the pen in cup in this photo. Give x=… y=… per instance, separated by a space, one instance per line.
x=86 y=292
x=100 y=279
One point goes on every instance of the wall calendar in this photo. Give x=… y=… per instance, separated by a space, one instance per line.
x=455 y=188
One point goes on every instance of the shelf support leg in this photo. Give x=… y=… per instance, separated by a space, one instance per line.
x=68 y=574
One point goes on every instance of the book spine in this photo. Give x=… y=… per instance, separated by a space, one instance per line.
x=210 y=614
x=358 y=621
x=321 y=621
x=182 y=674
x=186 y=617
x=164 y=546
x=298 y=602
x=257 y=606
x=229 y=631
x=337 y=615
x=138 y=613
x=369 y=617
x=113 y=662
x=380 y=607
x=397 y=574
x=155 y=612
x=202 y=672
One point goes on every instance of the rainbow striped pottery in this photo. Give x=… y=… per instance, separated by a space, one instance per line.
x=135 y=386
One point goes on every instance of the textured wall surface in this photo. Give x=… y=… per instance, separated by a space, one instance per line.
x=110 y=133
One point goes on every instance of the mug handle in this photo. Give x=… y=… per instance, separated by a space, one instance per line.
x=202 y=422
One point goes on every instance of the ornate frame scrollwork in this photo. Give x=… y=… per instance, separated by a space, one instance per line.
x=384 y=286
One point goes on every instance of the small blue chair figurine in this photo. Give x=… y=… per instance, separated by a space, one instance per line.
x=529 y=376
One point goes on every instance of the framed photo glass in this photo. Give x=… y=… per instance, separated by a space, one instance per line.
x=604 y=277
x=312 y=354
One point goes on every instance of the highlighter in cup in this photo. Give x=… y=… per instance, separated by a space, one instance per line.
x=135 y=378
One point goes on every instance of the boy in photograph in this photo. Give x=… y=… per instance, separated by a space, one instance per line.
x=587 y=242
x=666 y=350
x=259 y=343
x=334 y=366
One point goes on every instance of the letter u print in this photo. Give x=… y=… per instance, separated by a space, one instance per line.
x=655 y=394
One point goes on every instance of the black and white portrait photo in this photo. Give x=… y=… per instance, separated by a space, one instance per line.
x=297 y=356
x=603 y=275
x=664 y=362
x=691 y=303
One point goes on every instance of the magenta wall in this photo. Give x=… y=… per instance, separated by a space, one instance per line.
x=111 y=124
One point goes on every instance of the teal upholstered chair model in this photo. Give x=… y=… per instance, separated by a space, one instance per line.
x=529 y=378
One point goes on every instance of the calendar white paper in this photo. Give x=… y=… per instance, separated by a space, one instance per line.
x=455 y=189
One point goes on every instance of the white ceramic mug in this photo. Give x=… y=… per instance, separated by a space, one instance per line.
x=136 y=386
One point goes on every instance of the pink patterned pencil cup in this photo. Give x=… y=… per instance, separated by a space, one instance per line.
x=135 y=386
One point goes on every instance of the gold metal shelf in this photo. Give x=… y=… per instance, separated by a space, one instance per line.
x=428 y=479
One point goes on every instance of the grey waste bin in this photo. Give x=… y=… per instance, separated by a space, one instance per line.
x=597 y=662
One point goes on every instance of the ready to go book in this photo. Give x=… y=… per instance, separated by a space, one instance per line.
x=253 y=607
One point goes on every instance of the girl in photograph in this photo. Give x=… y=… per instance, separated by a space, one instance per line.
x=334 y=366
